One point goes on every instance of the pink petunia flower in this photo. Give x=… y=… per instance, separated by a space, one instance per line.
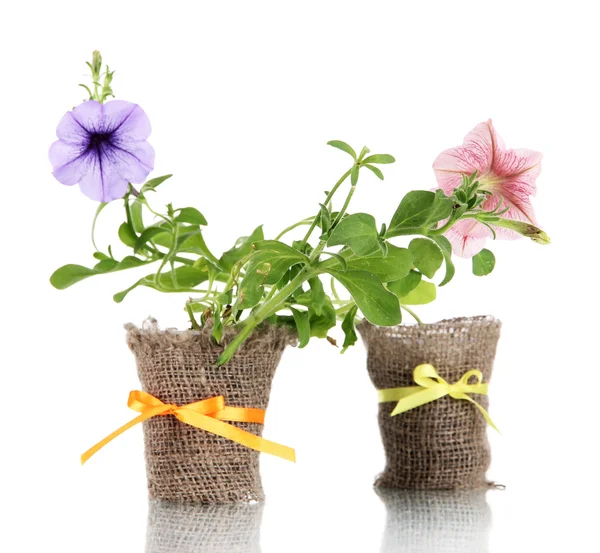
x=509 y=174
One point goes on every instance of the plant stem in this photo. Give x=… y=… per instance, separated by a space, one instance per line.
x=306 y=221
x=322 y=243
x=188 y=308
x=265 y=310
x=345 y=206
x=327 y=200
x=412 y=314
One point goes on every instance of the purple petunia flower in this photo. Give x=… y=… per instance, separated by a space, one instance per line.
x=103 y=148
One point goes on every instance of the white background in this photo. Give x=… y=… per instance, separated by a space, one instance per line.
x=243 y=97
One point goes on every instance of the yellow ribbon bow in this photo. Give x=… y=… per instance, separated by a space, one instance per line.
x=207 y=415
x=431 y=386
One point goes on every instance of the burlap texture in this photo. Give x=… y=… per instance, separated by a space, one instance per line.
x=436 y=521
x=186 y=528
x=443 y=444
x=184 y=463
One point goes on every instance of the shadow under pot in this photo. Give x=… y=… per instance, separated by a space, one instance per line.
x=185 y=463
x=442 y=444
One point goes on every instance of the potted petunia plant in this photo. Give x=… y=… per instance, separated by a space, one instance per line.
x=432 y=439
x=205 y=388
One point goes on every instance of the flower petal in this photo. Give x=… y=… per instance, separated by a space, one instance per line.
x=77 y=125
x=520 y=168
x=69 y=161
x=127 y=121
x=102 y=181
x=476 y=154
x=468 y=237
x=520 y=209
x=132 y=160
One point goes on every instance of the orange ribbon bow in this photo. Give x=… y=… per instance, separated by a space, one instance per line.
x=207 y=415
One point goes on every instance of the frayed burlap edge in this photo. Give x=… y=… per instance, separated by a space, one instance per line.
x=445 y=326
x=151 y=335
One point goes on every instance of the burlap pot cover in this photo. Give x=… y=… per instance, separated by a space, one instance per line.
x=184 y=463
x=187 y=528
x=436 y=521
x=443 y=444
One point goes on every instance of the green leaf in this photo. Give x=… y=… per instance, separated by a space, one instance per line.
x=217 y=331
x=349 y=328
x=446 y=249
x=377 y=304
x=375 y=170
x=379 y=158
x=339 y=258
x=137 y=219
x=190 y=215
x=193 y=242
x=421 y=209
x=354 y=174
x=427 y=256
x=70 y=274
x=406 y=285
x=302 y=325
x=252 y=287
x=242 y=248
x=325 y=218
x=318 y=297
x=153 y=183
x=278 y=247
x=396 y=265
x=146 y=236
x=320 y=325
x=127 y=235
x=483 y=263
x=274 y=265
x=424 y=293
x=186 y=277
x=358 y=232
x=342 y=146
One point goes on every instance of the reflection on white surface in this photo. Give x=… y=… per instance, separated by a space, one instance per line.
x=180 y=528
x=453 y=521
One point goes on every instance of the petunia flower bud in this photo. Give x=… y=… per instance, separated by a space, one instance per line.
x=524 y=229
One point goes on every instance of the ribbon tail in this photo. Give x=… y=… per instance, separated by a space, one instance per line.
x=419 y=397
x=235 y=434
x=240 y=414
x=483 y=412
x=141 y=418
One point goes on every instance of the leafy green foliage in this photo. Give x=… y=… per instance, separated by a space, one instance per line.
x=127 y=235
x=269 y=280
x=302 y=321
x=183 y=277
x=446 y=249
x=395 y=265
x=377 y=172
x=343 y=146
x=379 y=158
x=190 y=215
x=421 y=209
x=349 y=328
x=358 y=232
x=425 y=292
x=406 y=285
x=242 y=248
x=427 y=256
x=377 y=304
x=153 y=184
x=483 y=263
x=70 y=274
x=320 y=325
